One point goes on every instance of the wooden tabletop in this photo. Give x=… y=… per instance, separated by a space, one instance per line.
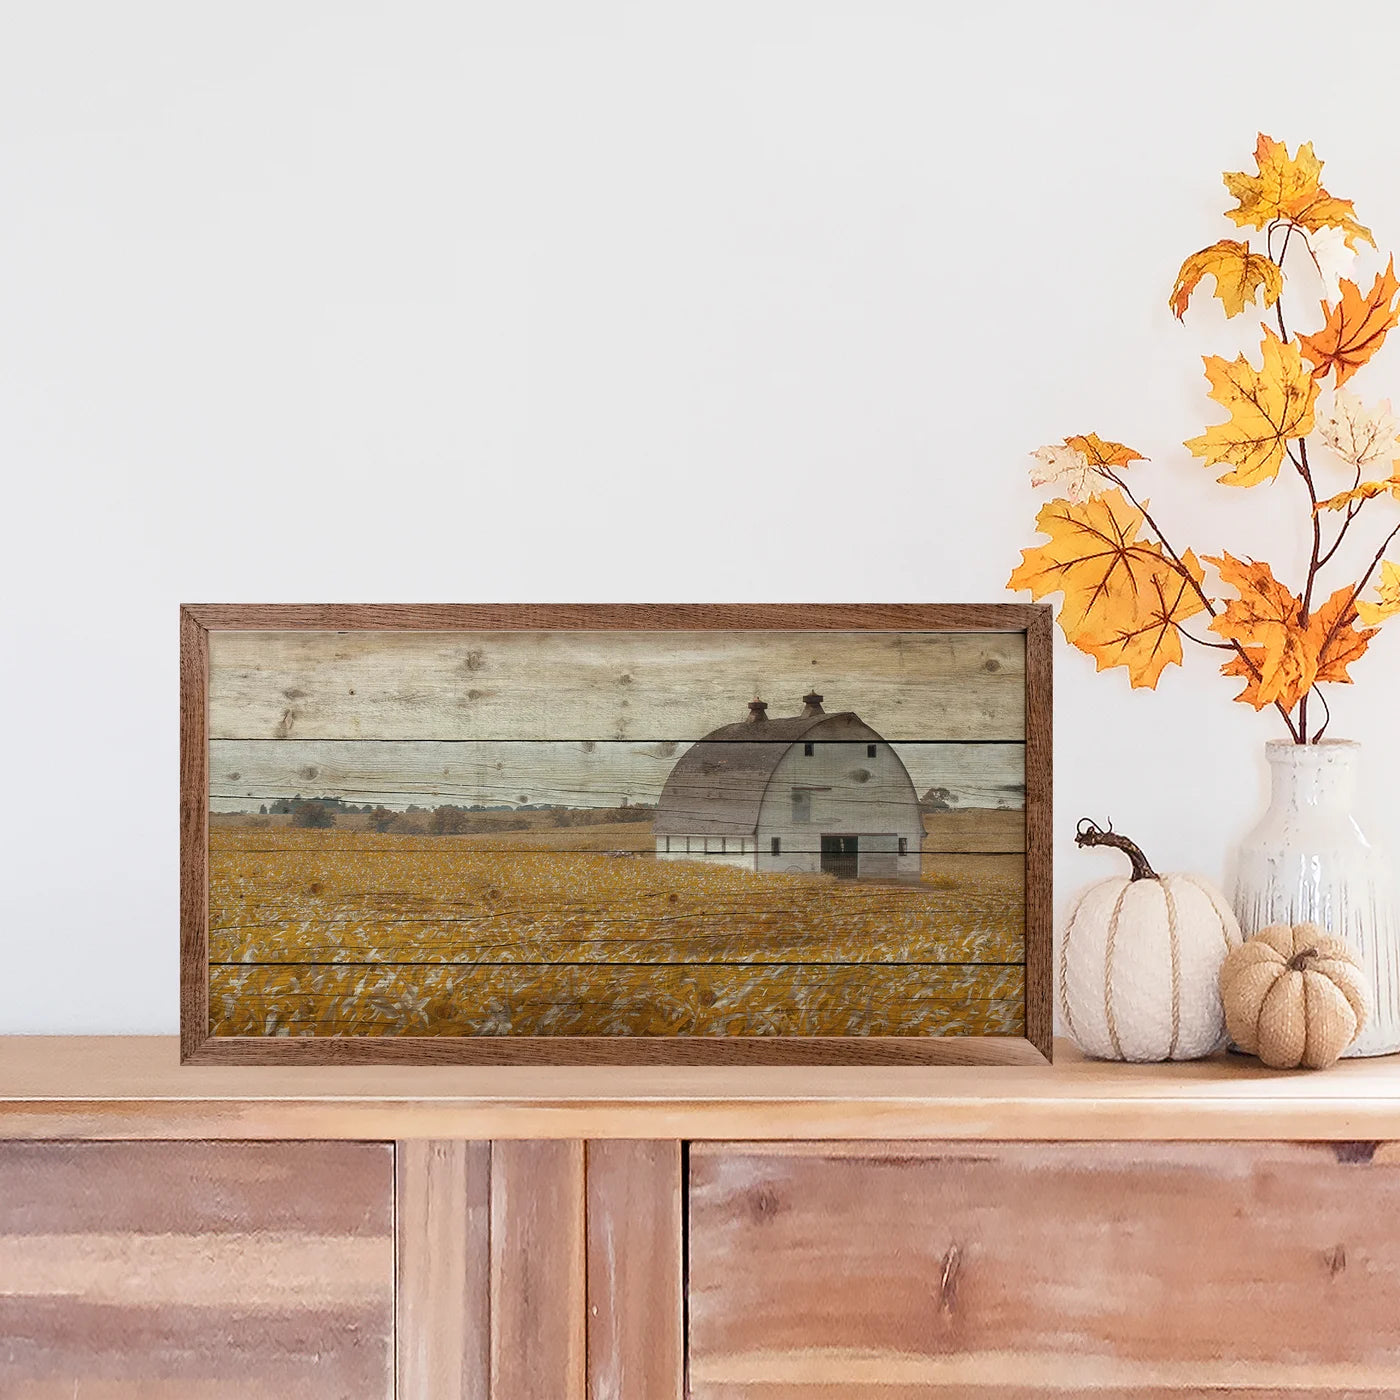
x=134 y=1087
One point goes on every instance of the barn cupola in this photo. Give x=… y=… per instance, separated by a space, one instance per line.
x=758 y=711
x=812 y=705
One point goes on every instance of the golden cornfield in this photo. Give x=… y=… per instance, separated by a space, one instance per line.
x=357 y=933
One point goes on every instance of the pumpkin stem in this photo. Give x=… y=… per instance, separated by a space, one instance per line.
x=1299 y=961
x=1090 y=833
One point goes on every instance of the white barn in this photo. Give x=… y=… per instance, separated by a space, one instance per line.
x=816 y=792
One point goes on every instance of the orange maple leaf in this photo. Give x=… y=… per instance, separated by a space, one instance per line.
x=1356 y=327
x=1289 y=188
x=1124 y=598
x=1238 y=272
x=1283 y=658
x=1333 y=631
x=1101 y=453
x=1265 y=621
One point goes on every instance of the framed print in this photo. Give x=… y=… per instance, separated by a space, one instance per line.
x=778 y=833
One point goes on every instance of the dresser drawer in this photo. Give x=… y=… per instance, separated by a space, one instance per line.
x=196 y=1271
x=1113 y=1269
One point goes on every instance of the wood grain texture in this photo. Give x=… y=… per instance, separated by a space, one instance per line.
x=559 y=1000
x=443 y=1299
x=1049 y=1267
x=538 y=1273
x=140 y=1269
x=1018 y=623
x=134 y=1087
x=607 y=1050
x=1039 y=876
x=513 y=617
x=644 y=686
x=583 y=774
x=636 y=1228
x=975 y=1389
x=194 y=832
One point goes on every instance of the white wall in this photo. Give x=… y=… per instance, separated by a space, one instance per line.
x=464 y=301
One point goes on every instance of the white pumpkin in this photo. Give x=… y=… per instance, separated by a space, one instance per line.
x=1140 y=961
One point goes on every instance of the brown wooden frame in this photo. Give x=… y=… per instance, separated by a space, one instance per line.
x=197 y=1046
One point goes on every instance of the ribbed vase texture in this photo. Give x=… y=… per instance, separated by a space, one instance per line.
x=1308 y=862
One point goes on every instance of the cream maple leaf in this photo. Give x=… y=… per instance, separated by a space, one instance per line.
x=1068 y=469
x=1361 y=436
x=1332 y=258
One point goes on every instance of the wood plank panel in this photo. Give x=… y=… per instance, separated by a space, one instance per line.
x=597 y=776
x=926 y=675
x=635 y=1244
x=324 y=899
x=443 y=1230
x=871 y=1001
x=673 y=685
x=140 y=1269
x=538 y=1280
x=1046 y=1269
x=135 y=1087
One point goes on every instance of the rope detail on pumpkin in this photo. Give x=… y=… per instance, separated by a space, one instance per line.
x=1108 y=973
x=1221 y=916
x=1064 y=965
x=1175 y=943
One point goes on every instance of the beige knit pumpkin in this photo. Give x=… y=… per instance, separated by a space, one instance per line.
x=1293 y=996
x=1140 y=960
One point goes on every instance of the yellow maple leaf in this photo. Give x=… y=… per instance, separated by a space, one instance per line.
x=1101 y=453
x=1281 y=185
x=1238 y=272
x=1364 y=492
x=1289 y=188
x=1145 y=640
x=1123 y=597
x=1356 y=327
x=1265 y=621
x=1268 y=406
x=1387 y=603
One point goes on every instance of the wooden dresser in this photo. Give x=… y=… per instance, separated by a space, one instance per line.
x=177 y=1233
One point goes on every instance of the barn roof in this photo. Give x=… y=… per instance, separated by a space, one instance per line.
x=717 y=785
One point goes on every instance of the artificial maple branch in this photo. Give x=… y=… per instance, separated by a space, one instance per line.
x=1128 y=592
x=1207 y=601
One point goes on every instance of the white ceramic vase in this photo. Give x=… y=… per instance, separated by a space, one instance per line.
x=1308 y=862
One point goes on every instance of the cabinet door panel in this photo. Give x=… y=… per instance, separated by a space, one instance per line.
x=198 y=1270
x=1001 y=1270
x=635 y=1284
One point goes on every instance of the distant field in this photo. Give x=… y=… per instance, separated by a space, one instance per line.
x=543 y=932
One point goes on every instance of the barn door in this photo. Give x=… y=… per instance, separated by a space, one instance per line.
x=841 y=856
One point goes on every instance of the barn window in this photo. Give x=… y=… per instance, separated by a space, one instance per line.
x=904 y=845
x=808 y=750
x=870 y=751
x=668 y=845
x=801 y=806
x=776 y=845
